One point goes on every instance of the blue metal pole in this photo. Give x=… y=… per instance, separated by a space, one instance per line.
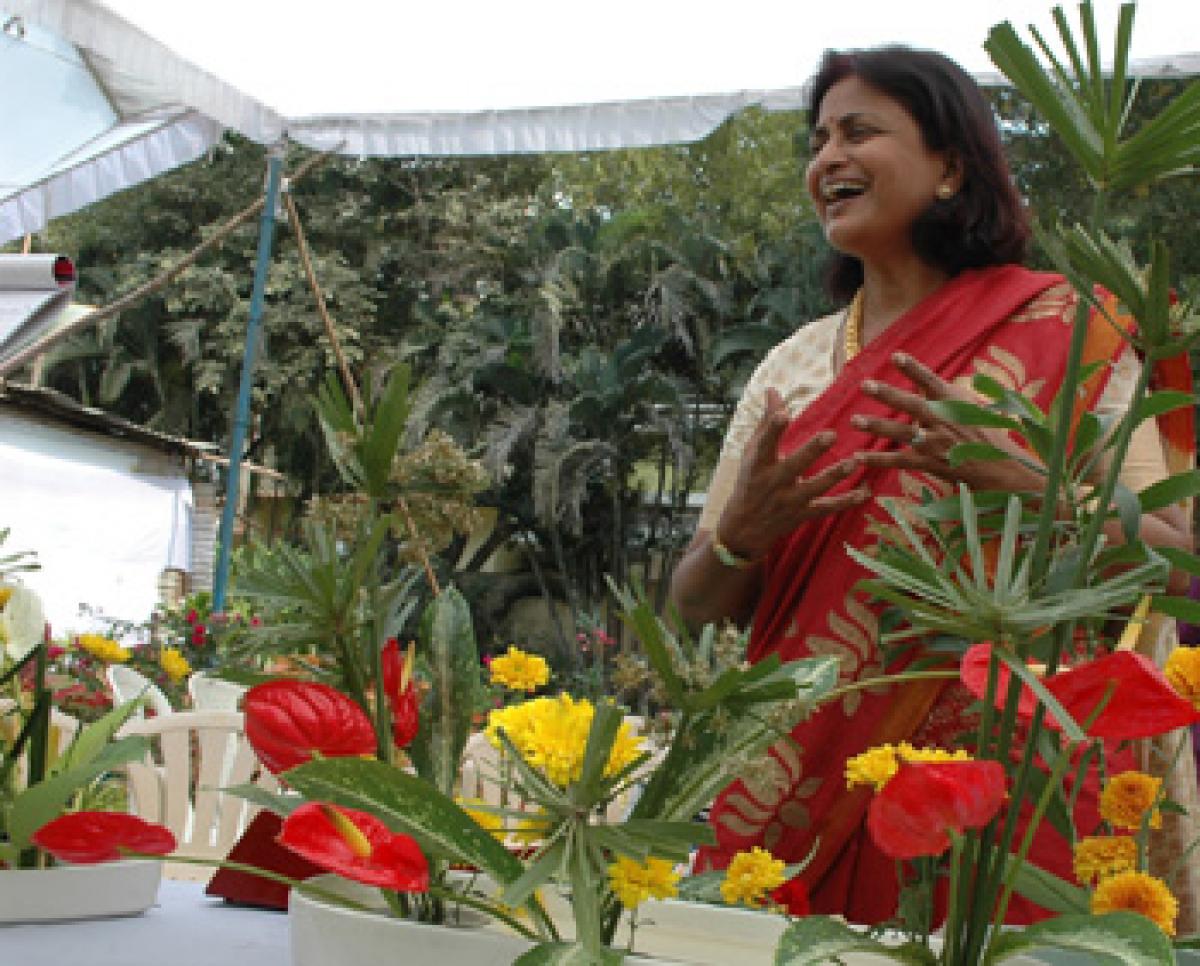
x=266 y=232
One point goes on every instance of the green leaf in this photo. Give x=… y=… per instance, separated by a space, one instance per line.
x=819 y=939
x=94 y=738
x=1047 y=889
x=447 y=640
x=537 y=873
x=569 y=954
x=39 y=804
x=975 y=452
x=1115 y=939
x=406 y=804
x=1181 y=608
x=1174 y=489
x=1168 y=400
x=1018 y=667
x=381 y=438
x=971 y=414
x=280 y=803
x=606 y=721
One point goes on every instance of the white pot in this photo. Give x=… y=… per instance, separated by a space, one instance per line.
x=78 y=891
x=325 y=934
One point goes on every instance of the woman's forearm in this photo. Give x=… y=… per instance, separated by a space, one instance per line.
x=706 y=591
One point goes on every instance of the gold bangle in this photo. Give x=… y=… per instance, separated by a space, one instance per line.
x=728 y=557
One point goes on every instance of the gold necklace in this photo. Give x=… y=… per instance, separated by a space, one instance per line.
x=852 y=332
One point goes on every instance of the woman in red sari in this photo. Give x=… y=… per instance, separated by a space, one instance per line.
x=908 y=179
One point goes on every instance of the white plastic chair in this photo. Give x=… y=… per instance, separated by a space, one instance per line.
x=214 y=694
x=193 y=755
x=127 y=684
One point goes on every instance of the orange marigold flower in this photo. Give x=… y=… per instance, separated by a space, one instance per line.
x=1140 y=893
x=1183 y=673
x=1128 y=797
x=1099 y=856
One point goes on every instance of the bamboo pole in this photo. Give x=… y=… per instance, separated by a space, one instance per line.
x=348 y=377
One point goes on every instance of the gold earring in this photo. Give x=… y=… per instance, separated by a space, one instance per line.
x=945 y=192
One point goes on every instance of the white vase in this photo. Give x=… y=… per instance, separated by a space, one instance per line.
x=78 y=891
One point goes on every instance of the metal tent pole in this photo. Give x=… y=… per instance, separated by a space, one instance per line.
x=266 y=232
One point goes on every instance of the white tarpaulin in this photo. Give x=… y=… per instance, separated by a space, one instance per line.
x=102 y=527
x=465 y=77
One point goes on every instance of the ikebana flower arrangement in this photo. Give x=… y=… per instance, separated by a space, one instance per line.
x=370 y=752
x=1019 y=603
x=39 y=781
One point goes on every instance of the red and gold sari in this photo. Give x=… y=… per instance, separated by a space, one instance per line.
x=1012 y=324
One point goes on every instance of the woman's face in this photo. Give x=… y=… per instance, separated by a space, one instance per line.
x=871 y=174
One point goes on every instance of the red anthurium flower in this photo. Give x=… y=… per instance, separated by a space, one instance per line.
x=1142 y=703
x=88 y=837
x=793 y=897
x=917 y=809
x=401 y=691
x=974 y=671
x=356 y=845
x=287 y=722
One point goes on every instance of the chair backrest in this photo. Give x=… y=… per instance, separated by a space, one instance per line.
x=214 y=694
x=193 y=756
x=127 y=684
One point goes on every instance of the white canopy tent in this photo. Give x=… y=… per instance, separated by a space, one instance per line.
x=98 y=95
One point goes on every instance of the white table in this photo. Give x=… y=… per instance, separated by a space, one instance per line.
x=186 y=928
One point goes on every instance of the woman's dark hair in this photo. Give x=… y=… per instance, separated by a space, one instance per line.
x=985 y=223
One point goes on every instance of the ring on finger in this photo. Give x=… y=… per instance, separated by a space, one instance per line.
x=918 y=437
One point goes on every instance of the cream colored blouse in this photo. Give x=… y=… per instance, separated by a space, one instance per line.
x=802 y=366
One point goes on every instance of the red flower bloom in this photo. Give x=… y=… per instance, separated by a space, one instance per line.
x=288 y=722
x=974 y=671
x=192 y=617
x=255 y=621
x=1142 y=703
x=916 y=810
x=89 y=837
x=792 y=896
x=401 y=692
x=198 y=635
x=356 y=845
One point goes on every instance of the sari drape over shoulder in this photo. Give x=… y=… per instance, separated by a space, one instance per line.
x=1010 y=323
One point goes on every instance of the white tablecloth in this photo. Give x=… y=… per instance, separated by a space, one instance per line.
x=186 y=928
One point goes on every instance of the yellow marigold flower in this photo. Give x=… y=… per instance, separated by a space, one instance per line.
x=634 y=882
x=1128 y=797
x=488 y=821
x=175 y=664
x=520 y=670
x=908 y=753
x=751 y=876
x=104 y=648
x=551 y=735
x=1183 y=673
x=1140 y=893
x=1101 y=856
x=876 y=766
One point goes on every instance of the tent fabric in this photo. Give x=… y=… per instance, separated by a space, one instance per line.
x=123 y=157
x=54 y=480
x=371 y=79
x=589 y=127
